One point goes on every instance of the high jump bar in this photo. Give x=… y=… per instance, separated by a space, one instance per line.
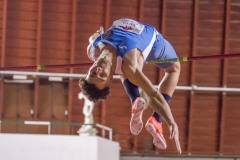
x=41 y=67
x=193 y=58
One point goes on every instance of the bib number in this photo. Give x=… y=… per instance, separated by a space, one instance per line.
x=128 y=25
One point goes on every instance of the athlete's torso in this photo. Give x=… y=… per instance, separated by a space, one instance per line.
x=126 y=34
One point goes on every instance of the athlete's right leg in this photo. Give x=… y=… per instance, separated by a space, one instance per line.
x=138 y=105
x=153 y=125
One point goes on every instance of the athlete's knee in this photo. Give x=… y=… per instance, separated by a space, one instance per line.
x=175 y=68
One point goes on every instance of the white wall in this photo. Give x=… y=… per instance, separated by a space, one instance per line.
x=56 y=147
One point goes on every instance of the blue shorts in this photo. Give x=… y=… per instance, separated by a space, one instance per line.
x=162 y=49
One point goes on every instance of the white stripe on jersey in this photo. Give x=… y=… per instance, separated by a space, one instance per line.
x=150 y=45
x=145 y=54
x=119 y=65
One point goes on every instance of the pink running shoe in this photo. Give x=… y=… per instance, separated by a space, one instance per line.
x=136 y=123
x=155 y=129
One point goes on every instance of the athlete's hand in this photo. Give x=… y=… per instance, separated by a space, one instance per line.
x=174 y=134
x=96 y=34
x=101 y=30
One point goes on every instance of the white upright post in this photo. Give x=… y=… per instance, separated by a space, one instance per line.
x=87 y=128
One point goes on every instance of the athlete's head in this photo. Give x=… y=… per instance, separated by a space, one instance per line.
x=92 y=92
x=96 y=84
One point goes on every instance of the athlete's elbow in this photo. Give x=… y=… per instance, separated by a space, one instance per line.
x=152 y=92
x=175 y=68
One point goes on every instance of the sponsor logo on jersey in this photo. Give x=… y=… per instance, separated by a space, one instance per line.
x=122 y=47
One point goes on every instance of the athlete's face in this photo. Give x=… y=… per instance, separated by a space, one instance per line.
x=100 y=73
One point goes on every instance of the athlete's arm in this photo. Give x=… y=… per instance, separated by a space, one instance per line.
x=94 y=52
x=96 y=35
x=132 y=69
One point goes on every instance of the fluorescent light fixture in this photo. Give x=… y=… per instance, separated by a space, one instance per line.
x=19 y=77
x=55 y=79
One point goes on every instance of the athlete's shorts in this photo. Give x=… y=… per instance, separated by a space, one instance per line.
x=162 y=49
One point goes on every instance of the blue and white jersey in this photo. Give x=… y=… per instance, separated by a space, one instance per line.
x=127 y=34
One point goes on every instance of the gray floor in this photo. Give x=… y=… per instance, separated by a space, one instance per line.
x=174 y=158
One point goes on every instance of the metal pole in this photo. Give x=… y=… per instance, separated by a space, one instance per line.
x=77 y=76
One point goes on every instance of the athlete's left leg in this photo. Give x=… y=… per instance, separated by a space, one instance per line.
x=170 y=79
x=166 y=87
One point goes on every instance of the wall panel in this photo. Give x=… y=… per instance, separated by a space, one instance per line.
x=231 y=141
x=180 y=111
x=128 y=9
x=205 y=123
x=234 y=47
x=20 y=32
x=17 y=105
x=89 y=17
x=232 y=80
x=209 y=42
x=178 y=31
x=56 y=22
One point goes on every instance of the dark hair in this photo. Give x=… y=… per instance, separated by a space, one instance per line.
x=92 y=92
